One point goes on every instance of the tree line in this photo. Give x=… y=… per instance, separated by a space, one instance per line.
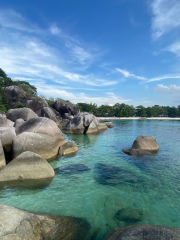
x=118 y=110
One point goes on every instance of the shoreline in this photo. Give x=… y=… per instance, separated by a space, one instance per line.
x=138 y=118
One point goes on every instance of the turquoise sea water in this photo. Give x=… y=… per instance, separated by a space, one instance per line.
x=154 y=187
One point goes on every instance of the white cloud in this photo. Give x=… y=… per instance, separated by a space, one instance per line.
x=166 y=17
x=109 y=98
x=164 y=77
x=172 y=89
x=174 y=48
x=129 y=75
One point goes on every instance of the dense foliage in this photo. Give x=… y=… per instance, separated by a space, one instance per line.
x=5 y=81
x=124 y=110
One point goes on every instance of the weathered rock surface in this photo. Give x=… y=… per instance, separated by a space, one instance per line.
x=50 y=113
x=16 y=224
x=72 y=169
x=2 y=157
x=67 y=149
x=36 y=104
x=84 y=123
x=41 y=144
x=4 y=122
x=24 y=113
x=7 y=134
x=143 y=145
x=146 y=232
x=15 y=96
x=28 y=169
x=63 y=107
x=18 y=122
x=42 y=125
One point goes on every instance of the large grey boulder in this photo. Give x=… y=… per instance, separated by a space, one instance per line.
x=84 y=123
x=50 y=113
x=24 y=113
x=16 y=224
x=63 y=107
x=41 y=144
x=36 y=104
x=6 y=136
x=15 y=96
x=67 y=149
x=146 y=232
x=28 y=169
x=41 y=125
x=108 y=124
x=2 y=157
x=4 y=122
x=143 y=145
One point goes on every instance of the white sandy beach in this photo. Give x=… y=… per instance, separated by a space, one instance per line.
x=138 y=118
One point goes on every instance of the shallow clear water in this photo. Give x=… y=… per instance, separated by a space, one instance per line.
x=155 y=188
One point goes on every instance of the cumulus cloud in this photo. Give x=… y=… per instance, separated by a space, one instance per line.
x=166 y=17
x=172 y=89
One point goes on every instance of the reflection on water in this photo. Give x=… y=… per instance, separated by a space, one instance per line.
x=119 y=189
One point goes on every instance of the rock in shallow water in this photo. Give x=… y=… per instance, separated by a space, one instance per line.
x=146 y=232
x=129 y=215
x=72 y=169
x=16 y=224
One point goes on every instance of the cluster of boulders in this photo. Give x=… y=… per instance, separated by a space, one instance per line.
x=17 y=97
x=27 y=142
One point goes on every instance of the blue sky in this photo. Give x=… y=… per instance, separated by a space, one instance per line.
x=99 y=51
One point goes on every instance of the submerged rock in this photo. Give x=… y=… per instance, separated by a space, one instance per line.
x=129 y=215
x=110 y=175
x=143 y=145
x=108 y=124
x=146 y=232
x=17 y=224
x=28 y=169
x=72 y=169
x=67 y=149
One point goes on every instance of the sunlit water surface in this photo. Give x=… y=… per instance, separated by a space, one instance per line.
x=155 y=191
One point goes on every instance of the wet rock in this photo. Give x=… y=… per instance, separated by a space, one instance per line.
x=45 y=146
x=129 y=215
x=84 y=123
x=2 y=157
x=110 y=175
x=108 y=124
x=17 y=224
x=15 y=96
x=146 y=232
x=67 y=149
x=143 y=145
x=24 y=113
x=72 y=169
x=4 y=122
x=28 y=169
x=7 y=134
x=36 y=104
